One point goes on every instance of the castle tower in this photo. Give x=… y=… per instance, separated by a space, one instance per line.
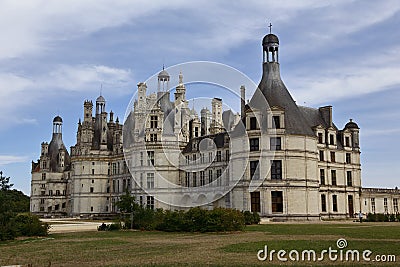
x=216 y=124
x=57 y=125
x=163 y=81
x=205 y=121
x=87 y=111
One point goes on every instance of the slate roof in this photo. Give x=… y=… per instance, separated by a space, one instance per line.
x=273 y=90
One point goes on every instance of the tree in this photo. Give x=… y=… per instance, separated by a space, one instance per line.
x=127 y=203
x=128 y=206
x=13 y=224
x=5 y=182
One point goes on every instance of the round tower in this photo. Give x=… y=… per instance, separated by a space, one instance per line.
x=163 y=81
x=100 y=105
x=270 y=45
x=57 y=125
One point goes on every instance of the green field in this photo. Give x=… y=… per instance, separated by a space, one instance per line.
x=194 y=249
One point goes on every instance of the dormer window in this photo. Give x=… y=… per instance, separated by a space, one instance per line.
x=253 y=123
x=331 y=139
x=320 y=138
x=277 y=122
x=347 y=141
x=153 y=122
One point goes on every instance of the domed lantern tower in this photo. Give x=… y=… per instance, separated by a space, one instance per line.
x=163 y=81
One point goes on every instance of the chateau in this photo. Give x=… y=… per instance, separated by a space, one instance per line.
x=284 y=161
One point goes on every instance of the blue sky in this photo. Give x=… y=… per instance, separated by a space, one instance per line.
x=56 y=54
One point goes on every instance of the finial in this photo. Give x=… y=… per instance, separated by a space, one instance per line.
x=180 y=77
x=101 y=88
x=270 y=28
x=163 y=67
x=351 y=120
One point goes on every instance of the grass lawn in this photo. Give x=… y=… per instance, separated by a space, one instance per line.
x=194 y=249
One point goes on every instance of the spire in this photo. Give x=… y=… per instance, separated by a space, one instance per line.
x=270 y=28
x=180 y=78
x=272 y=91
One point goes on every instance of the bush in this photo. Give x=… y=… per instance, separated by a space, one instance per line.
x=29 y=225
x=251 y=218
x=109 y=227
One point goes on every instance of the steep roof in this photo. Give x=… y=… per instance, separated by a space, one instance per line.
x=272 y=92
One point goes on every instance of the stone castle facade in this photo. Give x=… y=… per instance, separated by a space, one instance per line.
x=277 y=158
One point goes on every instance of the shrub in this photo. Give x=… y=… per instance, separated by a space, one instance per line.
x=251 y=218
x=29 y=225
x=109 y=227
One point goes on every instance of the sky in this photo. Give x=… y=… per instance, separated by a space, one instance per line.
x=56 y=54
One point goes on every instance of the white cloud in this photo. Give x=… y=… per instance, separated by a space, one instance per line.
x=21 y=92
x=10 y=159
x=345 y=83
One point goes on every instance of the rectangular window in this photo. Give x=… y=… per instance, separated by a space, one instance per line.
x=150 y=202
x=210 y=176
x=334 y=203
x=194 y=157
x=348 y=158
x=57 y=207
x=323 y=203
x=219 y=156
x=277 y=122
x=320 y=138
x=385 y=205
x=63 y=205
x=153 y=137
x=58 y=193
x=187 y=179
x=201 y=158
x=254 y=144
x=227 y=155
x=275 y=143
x=395 y=205
x=153 y=122
x=331 y=139
x=114 y=166
x=210 y=157
x=92 y=171
x=277 y=201
x=276 y=169
x=349 y=179
x=333 y=177
x=141 y=180
x=347 y=141
x=91 y=189
x=253 y=123
x=196 y=131
x=333 y=156
x=91 y=209
x=141 y=158
x=322 y=176
x=202 y=178
x=254 y=170
x=194 y=175
x=321 y=155
x=150 y=180
x=43 y=176
x=373 y=205
x=219 y=178
x=50 y=192
x=255 y=202
x=150 y=158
